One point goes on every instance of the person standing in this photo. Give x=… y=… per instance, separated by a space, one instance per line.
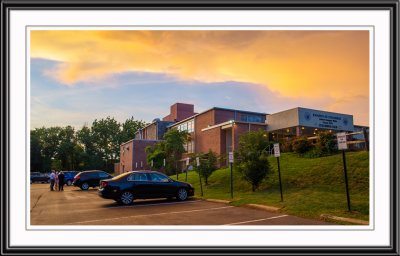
x=56 y=181
x=61 y=177
x=52 y=178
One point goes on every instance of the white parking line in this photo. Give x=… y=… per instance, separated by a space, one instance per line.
x=236 y=223
x=147 y=215
x=161 y=203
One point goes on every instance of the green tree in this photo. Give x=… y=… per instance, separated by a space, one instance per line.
x=157 y=154
x=208 y=164
x=105 y=134
x=36 y=152
x=129 y=128
x=91 y=155
x=65 y=150
x=251 y=158
x=174 y=146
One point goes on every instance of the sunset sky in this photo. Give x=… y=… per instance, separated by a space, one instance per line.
x=78 y=76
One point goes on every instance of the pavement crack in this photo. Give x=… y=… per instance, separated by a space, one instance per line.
x=37 y=201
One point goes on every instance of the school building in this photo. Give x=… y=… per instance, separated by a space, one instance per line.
x=219 y=129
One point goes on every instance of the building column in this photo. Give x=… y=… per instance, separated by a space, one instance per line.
x=298 y=131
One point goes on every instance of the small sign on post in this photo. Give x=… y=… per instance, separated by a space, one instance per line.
x=198 y=167
x=231 y=162
x=277 y=153
x=164 y=162
x=187 y=166
x=342 y=145
x=151 y=163
x=341 y=140
x=230 y=157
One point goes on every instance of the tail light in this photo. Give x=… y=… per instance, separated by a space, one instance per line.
x=77 y=178
x=104 y=184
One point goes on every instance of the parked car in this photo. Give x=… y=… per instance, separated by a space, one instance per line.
x=87 y=179
x=143 y=184
x=39 y=177
x=69 y=177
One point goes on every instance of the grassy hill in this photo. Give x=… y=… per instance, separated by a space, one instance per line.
x=311 y=186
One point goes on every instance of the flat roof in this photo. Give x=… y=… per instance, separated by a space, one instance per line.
x=219 y=108
x=311 y=110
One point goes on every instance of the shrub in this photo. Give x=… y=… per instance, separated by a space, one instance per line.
x=302 y=145
x=326 y=144
x=287 y=146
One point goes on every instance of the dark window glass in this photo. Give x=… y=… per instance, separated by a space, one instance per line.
x=138 y=177
x=103 y=175
x=158 y=177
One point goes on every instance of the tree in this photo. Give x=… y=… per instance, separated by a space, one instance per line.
x=252 y=158
x=129 y=128
x=157 y=154
x=208 y=164
x=36 y=152
x=105 y=134
x=174 y=146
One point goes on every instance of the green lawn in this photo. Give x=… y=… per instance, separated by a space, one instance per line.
x=311 y=186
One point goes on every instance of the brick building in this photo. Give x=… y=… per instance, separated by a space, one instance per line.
x=219 y=129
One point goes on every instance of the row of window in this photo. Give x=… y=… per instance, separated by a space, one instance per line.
x=251 y=118
x=187 y=126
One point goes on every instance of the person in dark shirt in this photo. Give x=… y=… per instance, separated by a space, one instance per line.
x=61 y=177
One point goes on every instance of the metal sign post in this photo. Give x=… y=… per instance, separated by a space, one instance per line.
x=230 y=163
x=277 y=153
x=187 y=166
x=198 y=168
x=342 y=145
x=151 y=165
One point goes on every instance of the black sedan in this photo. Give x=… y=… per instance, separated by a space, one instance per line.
x=87 y=179
x=142 y=185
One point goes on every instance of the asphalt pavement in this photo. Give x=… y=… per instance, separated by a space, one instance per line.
x=74 y=206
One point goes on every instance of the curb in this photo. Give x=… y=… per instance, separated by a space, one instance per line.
x=354 y=221
x=263 y=207
x=218 y=201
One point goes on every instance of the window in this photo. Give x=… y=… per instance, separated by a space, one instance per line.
x=187 y=126
x=138 y=177
x=189 y=147
x=158 y=177
x=103 y=175
x=251 y=118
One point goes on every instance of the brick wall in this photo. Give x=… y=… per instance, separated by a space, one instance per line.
x=139 y=154
x=125 y=163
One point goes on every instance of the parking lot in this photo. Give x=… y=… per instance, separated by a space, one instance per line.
x=76 y=207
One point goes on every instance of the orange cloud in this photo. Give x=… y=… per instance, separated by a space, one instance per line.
x=294 y=63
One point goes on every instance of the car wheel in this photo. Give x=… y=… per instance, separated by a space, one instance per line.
x=85 y=186
x=182 y=194
x=126 y=197
x=69 y=182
